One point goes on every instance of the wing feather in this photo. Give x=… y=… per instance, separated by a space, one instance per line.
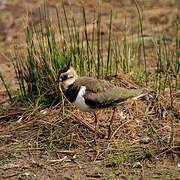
x=103 y=94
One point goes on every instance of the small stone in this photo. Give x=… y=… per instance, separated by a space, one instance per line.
x=26 y=174
x=20 y=120
x=137 y=165
x=144 y=140
x=43 y=111
x=178 y=165
x=122 y=115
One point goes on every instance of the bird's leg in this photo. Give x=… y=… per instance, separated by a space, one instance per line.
x=96 y=125
x=110 y=124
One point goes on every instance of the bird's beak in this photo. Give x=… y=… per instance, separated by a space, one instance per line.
x=70 y=76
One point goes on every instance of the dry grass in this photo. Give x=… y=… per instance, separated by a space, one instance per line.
x=41 y=141
x=47 y=137
x=48 y=128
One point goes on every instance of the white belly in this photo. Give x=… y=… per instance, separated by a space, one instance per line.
x=80 y=101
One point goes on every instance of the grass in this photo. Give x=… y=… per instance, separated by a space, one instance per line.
x=129 y=155
x=124 y=160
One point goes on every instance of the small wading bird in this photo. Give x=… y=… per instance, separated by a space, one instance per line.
x=89 y=94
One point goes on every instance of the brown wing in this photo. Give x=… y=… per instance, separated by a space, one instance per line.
x=94 y=85
x=102 y=94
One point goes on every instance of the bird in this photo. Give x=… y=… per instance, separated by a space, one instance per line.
x=89 y=94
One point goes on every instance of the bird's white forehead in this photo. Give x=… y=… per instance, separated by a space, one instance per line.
x=69 y=70
x=71 y=77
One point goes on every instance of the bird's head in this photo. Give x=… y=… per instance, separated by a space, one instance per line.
x=67 y=76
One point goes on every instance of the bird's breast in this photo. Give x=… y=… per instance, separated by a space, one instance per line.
x=80 y=101
x=71 y=93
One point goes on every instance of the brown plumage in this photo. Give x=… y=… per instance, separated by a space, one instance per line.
x=103 y=94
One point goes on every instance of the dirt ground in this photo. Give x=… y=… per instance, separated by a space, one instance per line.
x=21 y=157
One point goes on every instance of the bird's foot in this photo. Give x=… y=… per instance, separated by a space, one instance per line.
x=109 y=133
x=108 y=136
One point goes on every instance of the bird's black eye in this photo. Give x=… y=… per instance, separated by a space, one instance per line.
x=63 y=77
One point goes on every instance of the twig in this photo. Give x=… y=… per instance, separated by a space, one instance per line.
x=168 y=149
x=11 y=175
x=119 y=128
x=66 y=152
x=85 y=123
x=94 y=175
x=65 y=158
x=6 y=87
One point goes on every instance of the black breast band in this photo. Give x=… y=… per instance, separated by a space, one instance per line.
x=72 y=92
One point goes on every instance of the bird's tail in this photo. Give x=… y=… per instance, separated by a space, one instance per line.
x=145 y=96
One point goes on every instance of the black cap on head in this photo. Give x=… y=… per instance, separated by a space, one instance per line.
x=65 y=69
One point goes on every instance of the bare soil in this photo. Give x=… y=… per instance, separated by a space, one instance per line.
x=34 y=146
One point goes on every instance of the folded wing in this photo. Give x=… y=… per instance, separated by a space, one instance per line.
x=102 y=94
